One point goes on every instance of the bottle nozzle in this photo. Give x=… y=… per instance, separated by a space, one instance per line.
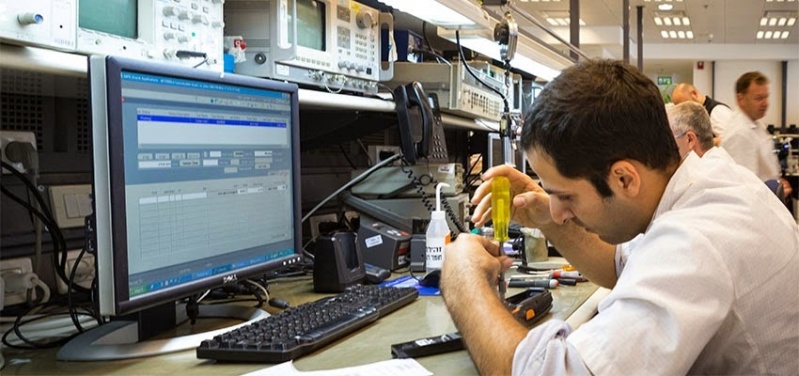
x=438 y=195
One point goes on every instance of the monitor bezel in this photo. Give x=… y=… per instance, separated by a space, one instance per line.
x=109 y=182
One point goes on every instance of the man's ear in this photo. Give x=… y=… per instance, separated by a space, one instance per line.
x=691 y=138
x=624 y=178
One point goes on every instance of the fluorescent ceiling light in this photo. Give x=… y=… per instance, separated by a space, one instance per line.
x=529 y=58
x=665 y=7
x=450 y=14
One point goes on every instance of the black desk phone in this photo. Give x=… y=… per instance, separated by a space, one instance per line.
x=419 y=122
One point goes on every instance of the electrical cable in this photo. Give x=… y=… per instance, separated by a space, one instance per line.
x=31 y=344
x=426 y=200
x=45 y=290
x=469 y=69
x=259 y=287
x=55 y=231
x=438 y=57
x=424 y=35
x=58 y=242
x=471 y=169
x=37 y=230
x=70 y=286
x=352 y=182
x=346 y=156
x=59 y=245
x=384 y=86
x=200 y=63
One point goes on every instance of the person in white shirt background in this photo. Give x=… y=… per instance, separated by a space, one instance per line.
x=719 y=112
x=710 y=288
x=746 y=138
x=692 y=130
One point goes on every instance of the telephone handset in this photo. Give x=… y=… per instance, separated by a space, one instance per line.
x=416 y=120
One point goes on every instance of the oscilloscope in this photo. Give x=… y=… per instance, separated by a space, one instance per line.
x=333 y=44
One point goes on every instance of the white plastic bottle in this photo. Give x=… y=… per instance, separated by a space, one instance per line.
x=437 y=235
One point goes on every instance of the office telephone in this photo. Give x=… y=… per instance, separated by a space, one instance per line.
x=419 y=123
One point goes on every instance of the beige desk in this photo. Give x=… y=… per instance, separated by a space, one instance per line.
x=427 y=316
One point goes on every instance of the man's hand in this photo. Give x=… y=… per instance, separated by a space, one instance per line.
x=472 y=256
x=530 y=203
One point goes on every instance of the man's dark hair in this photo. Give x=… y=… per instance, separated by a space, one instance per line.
x=596 y=113
x=746 y=79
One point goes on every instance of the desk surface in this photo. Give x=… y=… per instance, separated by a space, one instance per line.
x=427 y=316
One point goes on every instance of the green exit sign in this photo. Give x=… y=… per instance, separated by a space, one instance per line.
x=664 y=80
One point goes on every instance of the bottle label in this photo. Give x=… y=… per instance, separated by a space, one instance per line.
x=434 y=253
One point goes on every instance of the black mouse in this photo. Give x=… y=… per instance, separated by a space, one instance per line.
x=431 y=279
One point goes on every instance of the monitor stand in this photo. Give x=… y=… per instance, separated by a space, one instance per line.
x=120 y=339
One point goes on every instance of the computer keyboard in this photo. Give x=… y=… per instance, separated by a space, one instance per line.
x=300 y=330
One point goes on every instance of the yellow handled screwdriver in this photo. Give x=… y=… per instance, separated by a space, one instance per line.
x=500 y=208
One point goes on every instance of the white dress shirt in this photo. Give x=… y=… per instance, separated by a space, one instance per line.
x=751 y=146
x=717 y=152
x=711 y=287
x=719 y=118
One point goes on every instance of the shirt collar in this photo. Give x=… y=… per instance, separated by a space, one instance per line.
x=752 y=123
x=680 y=181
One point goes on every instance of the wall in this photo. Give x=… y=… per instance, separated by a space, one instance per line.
x=703 y=78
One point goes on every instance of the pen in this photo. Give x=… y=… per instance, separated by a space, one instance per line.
x=545 y=283
x=565 y=274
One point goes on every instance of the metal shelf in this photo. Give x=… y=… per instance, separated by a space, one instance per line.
x=69 y=64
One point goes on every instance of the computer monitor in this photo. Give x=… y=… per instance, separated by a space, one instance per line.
x=196 y=185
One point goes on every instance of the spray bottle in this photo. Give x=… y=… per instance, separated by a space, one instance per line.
x=437 y=235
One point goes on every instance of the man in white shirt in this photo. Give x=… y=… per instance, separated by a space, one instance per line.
x=719 y=112
x=690 y=124
x=747 y=140
x=710 y=288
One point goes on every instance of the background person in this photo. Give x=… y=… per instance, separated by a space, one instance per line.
x=719 y=112
x=747 y=140
x=690 y=124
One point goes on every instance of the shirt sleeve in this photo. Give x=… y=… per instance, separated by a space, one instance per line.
x=545 y=351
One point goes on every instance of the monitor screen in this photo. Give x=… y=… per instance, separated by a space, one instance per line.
x=196 y=180
x=311 y=24
x=115 y=17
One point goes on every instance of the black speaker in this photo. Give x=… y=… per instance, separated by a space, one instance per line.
x=337 y=263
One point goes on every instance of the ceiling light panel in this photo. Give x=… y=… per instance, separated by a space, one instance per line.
x=776 y=25
x=678 y=20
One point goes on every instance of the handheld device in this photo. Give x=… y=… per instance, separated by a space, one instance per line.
x=530 y=306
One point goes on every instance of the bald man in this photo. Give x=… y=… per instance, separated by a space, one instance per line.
x=719 y=112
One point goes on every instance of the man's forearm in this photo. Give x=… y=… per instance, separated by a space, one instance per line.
x=592 y=256
x=490 y=332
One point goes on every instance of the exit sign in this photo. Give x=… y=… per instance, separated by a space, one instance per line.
x=664 y=80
